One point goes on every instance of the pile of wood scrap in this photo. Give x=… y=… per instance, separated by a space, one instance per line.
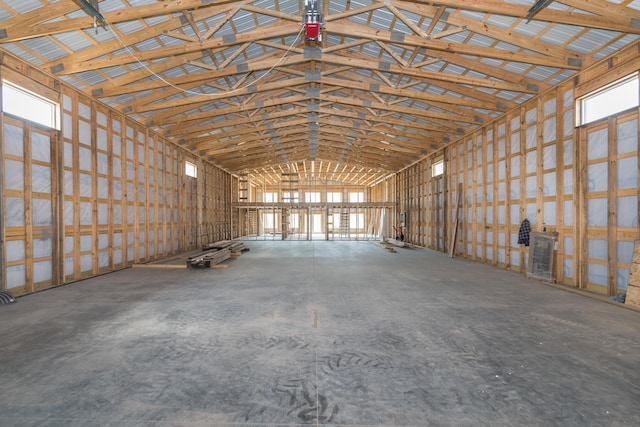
x=395 y=242
x=214 y=253
x=209 y=258
x=234 y=247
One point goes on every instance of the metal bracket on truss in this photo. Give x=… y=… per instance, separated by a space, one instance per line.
x=92 y=8
x=537 y=7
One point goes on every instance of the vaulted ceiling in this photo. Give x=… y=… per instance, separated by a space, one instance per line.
x=390 y=81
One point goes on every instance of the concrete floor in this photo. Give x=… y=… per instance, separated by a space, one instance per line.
x=299 y=333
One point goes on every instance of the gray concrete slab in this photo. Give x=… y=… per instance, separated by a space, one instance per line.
x=299 y=333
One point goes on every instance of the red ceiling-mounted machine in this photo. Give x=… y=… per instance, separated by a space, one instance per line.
x=312 y=21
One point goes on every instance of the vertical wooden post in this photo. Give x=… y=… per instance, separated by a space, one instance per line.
x=3 y=261
x=57 y=208
x=523 y=181
x=612 y=218
x=28 y=209
x=560 y=184
x=580 y=210
x=507 y=185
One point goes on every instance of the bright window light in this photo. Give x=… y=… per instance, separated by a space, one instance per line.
x=334 y=196
x=437 y=168
x=190 y=169
x=356 y=197
x=29 y=106
x=288 y=197
x=312 y=197
x=612 y=99
x=270 y=197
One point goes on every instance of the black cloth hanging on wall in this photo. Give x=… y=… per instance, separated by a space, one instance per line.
x=523 y=233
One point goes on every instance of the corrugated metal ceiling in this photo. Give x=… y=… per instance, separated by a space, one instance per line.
x=370 y=71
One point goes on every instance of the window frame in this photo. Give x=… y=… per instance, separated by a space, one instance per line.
x=438 y=163
x=25 y=96
x=582 y=103
x=187 y=163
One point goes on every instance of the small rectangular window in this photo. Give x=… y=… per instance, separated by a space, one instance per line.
x=288 y=197
x=312 y=197
x=29 y=106
x=356 y=197
x=614 y=98
x=190 y=169
x=437 y=168
x=270 y=197
x=334 y=196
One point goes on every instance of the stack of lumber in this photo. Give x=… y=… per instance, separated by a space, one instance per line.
x=209 y=258
x=214 y=253
x=234 y=247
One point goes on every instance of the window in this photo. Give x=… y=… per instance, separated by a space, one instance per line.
x=356 y=221
x=437 y=168
x=616 y=97
x=312 y=197
x=357 y=197
x=335 y=197
x=27 y=105
x=270 y=197
x=288 y=197
x=190 y=169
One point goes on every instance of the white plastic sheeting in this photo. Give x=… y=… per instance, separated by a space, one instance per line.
x=532 y=137
x=627 y=137
x=597 y=176
x=549 y=184
x=41 y=213
x=68 y=266
x=14 y=210
x=515 y=166
x=13 y=140
x=40 y=178
x=567 y=213
x=549 y=213
x=567 y=268
x=597 y=273
x=567 y=152
x=515 y=143
x=15 y=250
x=68 y=212
x=514 y=190
x=597 y=145
x=597 y=249
x=13 y=175
x=627 y=208
x=627 y=172
x=567 y=181
x=84 y=132
x=86 y=262
x=597 y=212
x=515 y=214
x=42 y=271
x=531 y=187
x=16 y=277
x=530 y=213
x=86 y=213
x=549 y=130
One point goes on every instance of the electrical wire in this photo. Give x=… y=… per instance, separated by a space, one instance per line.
x=131 y=53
